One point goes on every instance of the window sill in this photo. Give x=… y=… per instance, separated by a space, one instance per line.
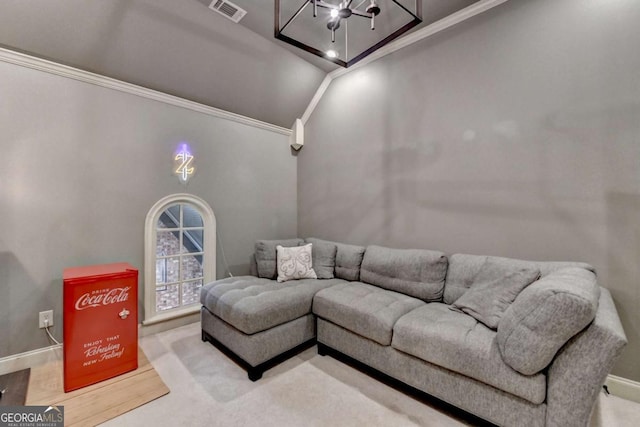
x=172 y=314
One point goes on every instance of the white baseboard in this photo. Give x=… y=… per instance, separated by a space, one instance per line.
x=43 y=355
x=29 y=359
x=624 y=388
x=154 y=328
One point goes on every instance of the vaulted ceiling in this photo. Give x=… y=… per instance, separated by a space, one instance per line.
x=182 y=48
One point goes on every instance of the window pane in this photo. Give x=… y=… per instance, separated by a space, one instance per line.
x=167 y=297
x=191 y=217
x=192 y=241
x=191 y=292
x=170 y=218
x=191 y=267
x=167 y=270
x=167 y=243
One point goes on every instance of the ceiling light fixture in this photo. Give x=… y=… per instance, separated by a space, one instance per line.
x=308 y=31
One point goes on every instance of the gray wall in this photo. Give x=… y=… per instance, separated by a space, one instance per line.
x=514 y=134
x=81 y=167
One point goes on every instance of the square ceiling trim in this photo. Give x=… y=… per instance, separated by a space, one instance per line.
x=344 y=32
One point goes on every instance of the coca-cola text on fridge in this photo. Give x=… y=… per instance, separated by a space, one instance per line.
x=102 y=297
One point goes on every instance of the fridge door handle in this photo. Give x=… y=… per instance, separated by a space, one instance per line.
x=124 y=313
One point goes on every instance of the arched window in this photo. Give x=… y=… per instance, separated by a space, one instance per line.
x=180 y=256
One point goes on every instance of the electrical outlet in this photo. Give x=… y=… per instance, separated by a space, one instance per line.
x=45 y=315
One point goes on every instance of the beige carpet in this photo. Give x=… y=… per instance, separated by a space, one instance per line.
x=208 y=389
x=92 y=405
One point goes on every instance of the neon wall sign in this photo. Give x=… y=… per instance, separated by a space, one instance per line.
x=183 y=163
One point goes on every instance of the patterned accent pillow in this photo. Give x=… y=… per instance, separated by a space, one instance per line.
x=294 y=263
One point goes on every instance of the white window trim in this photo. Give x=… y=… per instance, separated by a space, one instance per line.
x=151 y=316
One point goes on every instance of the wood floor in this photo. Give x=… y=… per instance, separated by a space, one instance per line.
x=100 y=402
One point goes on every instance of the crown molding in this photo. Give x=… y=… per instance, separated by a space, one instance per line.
x=35 y=63
x=316 y=98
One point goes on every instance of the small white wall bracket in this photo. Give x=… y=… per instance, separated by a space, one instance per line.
x=296 y=140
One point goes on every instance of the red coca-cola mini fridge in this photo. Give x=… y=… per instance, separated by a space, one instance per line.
x=100 y=323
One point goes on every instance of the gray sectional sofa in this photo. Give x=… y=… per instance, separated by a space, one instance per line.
x=513 y=342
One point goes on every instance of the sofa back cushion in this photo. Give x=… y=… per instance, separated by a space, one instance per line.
x=545 y=316
x=348 y=259
x=419 y=273
x=464 y=268
x=265 y=251
x=324 y=257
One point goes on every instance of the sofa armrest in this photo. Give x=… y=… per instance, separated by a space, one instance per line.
x=580 y=368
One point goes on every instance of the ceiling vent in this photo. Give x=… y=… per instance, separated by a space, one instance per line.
x=228 y=9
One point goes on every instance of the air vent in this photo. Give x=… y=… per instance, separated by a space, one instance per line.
x=228 y=9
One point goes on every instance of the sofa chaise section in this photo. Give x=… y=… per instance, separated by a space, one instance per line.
x=259 y=319
x=252 y=304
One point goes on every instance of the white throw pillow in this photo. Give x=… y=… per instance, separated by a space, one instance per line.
x=294 y=263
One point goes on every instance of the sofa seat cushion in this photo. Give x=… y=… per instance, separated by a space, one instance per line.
x=364 y=309
x=458 y=342
x=252 y=304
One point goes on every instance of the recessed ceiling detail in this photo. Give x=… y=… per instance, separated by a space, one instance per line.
x=345 y=31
